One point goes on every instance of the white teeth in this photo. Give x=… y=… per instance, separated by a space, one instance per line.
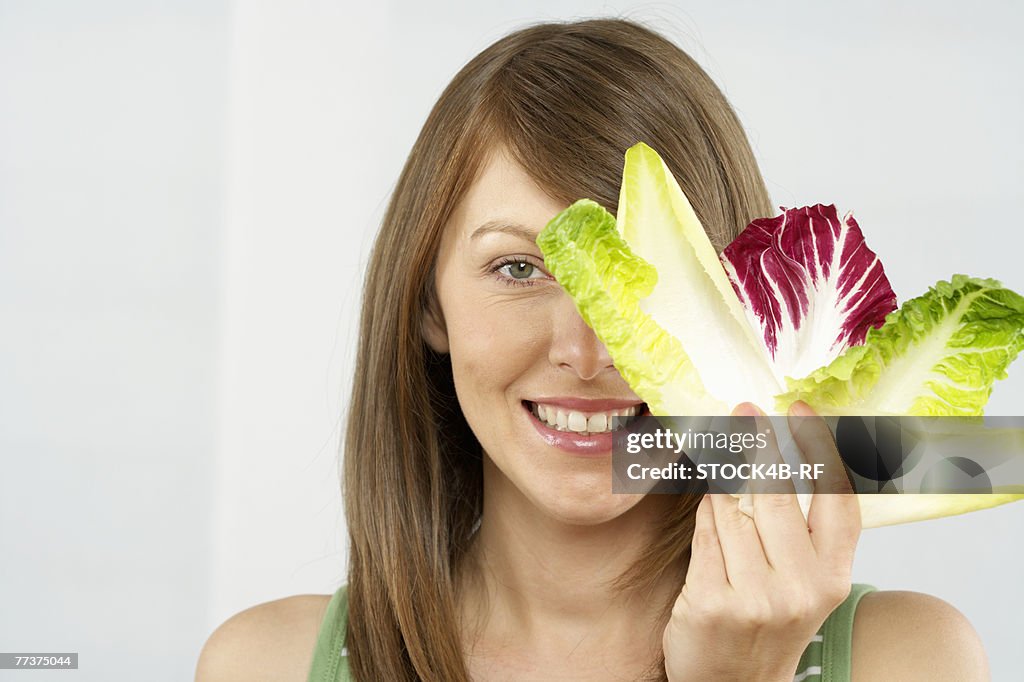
x=577 y=422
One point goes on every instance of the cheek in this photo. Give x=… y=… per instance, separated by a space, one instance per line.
x=495 y=343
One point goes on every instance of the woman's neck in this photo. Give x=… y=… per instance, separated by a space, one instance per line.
x=542 y=582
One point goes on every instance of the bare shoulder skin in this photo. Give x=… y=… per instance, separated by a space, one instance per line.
x=911 y=636
x=270 y=641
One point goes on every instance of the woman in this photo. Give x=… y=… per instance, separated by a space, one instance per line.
x=484 y=544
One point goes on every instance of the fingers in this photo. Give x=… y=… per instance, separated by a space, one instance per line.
x=747 y=418
x=777 y=537
x=744 y=557
x=779 y=522
x=707 y=567
x=834 y=517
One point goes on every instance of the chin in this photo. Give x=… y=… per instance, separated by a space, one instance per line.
x=590 y=509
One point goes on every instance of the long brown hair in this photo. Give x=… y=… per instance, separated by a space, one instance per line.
x=567 y=100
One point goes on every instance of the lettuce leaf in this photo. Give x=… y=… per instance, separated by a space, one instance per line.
x=584 y=252
x=811 y=285
x=693 y=300
x=890 y=510
x=938 y=355
x=793 y=310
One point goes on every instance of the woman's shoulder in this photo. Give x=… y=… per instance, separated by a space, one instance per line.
x=896 y=635
x=269 y=641
x=899 y=635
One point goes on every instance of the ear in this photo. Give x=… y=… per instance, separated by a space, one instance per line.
x=435 y=331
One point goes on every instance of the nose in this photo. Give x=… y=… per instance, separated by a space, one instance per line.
x=574 y=346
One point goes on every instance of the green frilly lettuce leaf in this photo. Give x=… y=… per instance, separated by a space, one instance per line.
x=938 y=355
x=584 y=252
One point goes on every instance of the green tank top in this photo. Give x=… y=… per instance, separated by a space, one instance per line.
x=826 y=658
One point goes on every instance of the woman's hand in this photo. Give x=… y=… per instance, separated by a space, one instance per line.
x=757 y=589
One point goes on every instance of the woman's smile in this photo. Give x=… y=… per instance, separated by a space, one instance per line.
x=580 y=426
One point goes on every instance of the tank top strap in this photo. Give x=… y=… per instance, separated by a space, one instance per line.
x=828 y=656
x=330 y=656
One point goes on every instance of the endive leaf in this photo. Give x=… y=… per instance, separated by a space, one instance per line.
x=693 y=301
x=888 y=510
x=877 y=510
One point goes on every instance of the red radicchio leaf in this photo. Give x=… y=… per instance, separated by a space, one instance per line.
x=809 y=282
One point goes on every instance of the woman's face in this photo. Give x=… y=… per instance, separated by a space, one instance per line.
x=534 y=382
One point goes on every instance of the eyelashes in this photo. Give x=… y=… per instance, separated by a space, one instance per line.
x=520 y=265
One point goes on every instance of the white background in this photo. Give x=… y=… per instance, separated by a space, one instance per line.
x=188 y=191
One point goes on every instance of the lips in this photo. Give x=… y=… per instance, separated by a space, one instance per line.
x=577 y=442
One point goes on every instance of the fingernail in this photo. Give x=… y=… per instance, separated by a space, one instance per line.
x=801 y=409
x=746 y=410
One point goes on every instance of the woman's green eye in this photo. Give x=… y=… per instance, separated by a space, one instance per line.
x=521 y=270
x=515 y=272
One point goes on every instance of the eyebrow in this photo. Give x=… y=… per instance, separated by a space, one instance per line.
x=507 y=227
